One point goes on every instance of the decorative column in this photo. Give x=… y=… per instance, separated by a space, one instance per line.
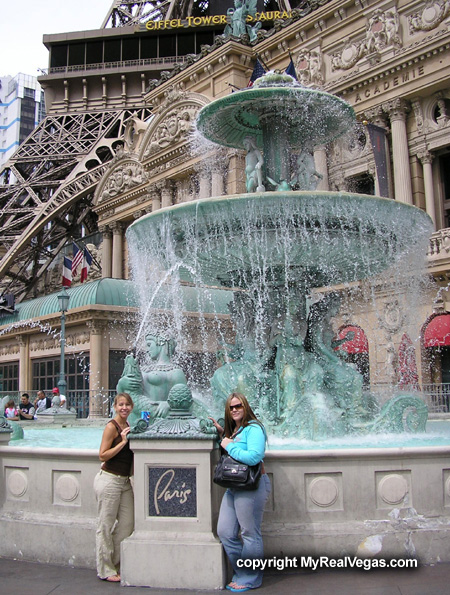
x=236 y=172
x=320 y=160
x=156 y=197
x=217 y=186
x=24 y=363
x=166 y=194
x=426 y=159
x=377 y=117
x=106 y=251
x=204 y=190
x=99 y=368
x=117 y=250
x=397 y=111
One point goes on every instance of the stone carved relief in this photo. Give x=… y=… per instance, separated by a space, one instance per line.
x=444 y=111
x=382 y=31
x=43 y=344
x=418 y=114
x=174 y=94
x=124 y=176
x=9 y=350
x=135 y=129
x=393 y=317
x=174 y=127
x=430 y=16
x=309 y=68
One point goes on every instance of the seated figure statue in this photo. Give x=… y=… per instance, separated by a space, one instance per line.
x=341 y=379
x=150 y=386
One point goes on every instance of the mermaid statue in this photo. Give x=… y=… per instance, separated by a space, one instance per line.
x=150 y=385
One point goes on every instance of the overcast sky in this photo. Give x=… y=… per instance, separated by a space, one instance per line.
x=24 y=22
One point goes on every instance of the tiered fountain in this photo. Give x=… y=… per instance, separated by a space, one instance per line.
x=274 y=246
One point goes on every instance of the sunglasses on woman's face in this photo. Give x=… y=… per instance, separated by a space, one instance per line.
x=237 y=407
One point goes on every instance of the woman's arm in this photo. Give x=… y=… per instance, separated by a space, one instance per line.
x=106 y=452
x=256 y=446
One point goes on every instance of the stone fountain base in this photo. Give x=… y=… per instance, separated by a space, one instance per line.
x=382 y=503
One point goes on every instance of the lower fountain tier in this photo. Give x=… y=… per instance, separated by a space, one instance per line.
x=317 y=238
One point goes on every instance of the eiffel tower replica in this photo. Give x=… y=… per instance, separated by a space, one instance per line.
x=95 y=81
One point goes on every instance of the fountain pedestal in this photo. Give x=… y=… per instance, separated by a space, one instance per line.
x=176 y=507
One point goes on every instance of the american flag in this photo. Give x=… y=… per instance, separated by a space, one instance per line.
x=77 y=259
x=258 y=71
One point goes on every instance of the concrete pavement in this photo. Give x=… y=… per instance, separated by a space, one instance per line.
x=30 y=578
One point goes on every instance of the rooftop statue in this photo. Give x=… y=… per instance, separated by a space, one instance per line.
x=238 y=19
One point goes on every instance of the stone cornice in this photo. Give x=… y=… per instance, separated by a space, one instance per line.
x=405 y=58
x=52 y=322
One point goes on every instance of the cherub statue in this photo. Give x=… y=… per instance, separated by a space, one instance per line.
x=306 y=176
x=253 y=166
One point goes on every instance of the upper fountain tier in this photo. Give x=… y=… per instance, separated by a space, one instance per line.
x=276 y=103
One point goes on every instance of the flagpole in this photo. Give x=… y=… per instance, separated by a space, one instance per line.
x=94 y=260
x=262 y=61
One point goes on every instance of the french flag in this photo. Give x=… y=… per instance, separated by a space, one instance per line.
x=77 y=259
x=87 y=262
x=67 y=272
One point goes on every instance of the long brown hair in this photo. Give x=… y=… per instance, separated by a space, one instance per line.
x=249 y=416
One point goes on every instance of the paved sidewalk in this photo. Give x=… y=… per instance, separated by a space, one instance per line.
x=29 y=578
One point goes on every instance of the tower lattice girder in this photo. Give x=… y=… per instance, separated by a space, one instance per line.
x=52 y=195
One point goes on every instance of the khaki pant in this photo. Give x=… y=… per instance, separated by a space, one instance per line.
x=115 y=520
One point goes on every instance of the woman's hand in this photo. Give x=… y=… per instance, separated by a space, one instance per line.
x=225 y=442
x=217 y=426
x=124 y=433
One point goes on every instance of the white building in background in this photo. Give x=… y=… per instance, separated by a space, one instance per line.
x=21 y=109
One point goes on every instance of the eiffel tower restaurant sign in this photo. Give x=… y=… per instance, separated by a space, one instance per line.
x=217 y=19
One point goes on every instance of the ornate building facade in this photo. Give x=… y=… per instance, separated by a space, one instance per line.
x=118 y=143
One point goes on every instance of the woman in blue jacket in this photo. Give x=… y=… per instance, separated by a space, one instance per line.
x=244 y=438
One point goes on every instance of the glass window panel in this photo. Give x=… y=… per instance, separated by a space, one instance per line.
x=130 y=48
x=76 y=54
x=94 y=52
x=167 y=45
x=112 y=50
x=149 y=46
x=58 y=56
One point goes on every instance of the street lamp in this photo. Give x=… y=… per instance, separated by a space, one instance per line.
x=63 y=300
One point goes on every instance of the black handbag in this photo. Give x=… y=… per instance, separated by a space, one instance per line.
x=230 y=473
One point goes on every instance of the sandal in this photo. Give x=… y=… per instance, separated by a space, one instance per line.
x=115 y=578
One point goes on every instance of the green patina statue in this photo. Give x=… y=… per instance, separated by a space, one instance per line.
x=238 y=19
x=150 y=386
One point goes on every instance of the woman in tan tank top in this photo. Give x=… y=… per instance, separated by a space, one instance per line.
x=115 y=501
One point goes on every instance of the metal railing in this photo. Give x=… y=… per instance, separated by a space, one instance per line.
x=166 y=60
x=436 y=397
x=78 y=400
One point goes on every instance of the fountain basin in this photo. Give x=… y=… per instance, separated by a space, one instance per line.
x=316 y=238
x=307 y=115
